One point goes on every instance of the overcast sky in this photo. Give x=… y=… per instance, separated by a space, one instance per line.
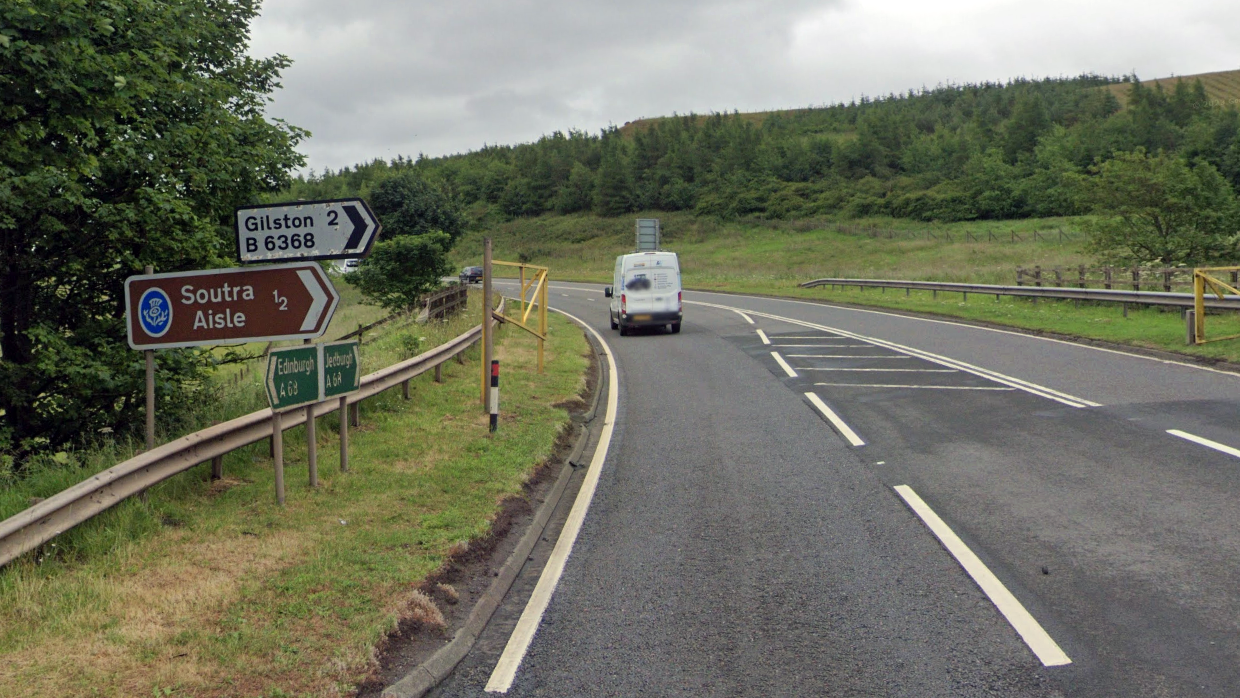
x=378 y=78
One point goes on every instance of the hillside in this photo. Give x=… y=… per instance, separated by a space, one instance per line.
x=975 y=152
x=1223 y=87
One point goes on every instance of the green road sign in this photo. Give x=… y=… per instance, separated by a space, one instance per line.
x=341 y=372
x=294 y=377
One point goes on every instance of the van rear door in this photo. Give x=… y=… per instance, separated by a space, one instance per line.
x=651 y=285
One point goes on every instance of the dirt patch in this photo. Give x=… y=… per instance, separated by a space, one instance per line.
x=470 y=568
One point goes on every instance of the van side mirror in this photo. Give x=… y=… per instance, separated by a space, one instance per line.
x=607 y=291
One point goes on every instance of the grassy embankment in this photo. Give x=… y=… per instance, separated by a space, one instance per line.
x=211 y=589
x=773 y=257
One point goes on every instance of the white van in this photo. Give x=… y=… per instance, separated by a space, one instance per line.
x=645 y=291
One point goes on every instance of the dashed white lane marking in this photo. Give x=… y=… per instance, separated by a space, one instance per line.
x=1221 y=448
x=884 y=370
x=519 y=642
x=564 y=295
x=1032 y=388
x=747 y=318
x=763 y=337
x=843 y=356
x=787 y=369
x=844 y=430
x=919 y=387
x=1024 y=623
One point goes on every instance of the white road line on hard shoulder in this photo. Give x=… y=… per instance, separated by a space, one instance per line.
x=919 y=387
x=1032 y=388
x=844 y=430
x=827 y=346
x=845 y=356
x=1221 y=448
x=1038 y=640
x=519 y=642
x=882 y=370
x=763 y=337
x=787 y=369
x=747 y=318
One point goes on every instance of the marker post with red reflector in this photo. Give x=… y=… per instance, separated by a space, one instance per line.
x=494 y=395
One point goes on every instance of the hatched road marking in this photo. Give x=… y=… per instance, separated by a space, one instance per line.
x=884 y=370
x=747 y=318
x=763 y=337
x=1038 y=640
x=844 y=430
x=1031 y=388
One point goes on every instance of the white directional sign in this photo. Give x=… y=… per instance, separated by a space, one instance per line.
x=305 y=230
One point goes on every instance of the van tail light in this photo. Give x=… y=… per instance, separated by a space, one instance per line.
x=680 y=301
x=624 y=301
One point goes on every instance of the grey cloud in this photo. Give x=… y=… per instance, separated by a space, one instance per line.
x=377 y=78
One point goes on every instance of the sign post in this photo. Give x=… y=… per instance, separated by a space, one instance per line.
x=228 y=306
x=305 y=230
x=292 y=381
x=342 y=375
x=149 y=355
x=309 y=374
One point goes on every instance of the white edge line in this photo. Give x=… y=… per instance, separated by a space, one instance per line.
x=835 y=420
x=784 y=364
x=747 y=318
x=519 y=642
x=763 y=337
x=1221 y=448
x=1038 y=640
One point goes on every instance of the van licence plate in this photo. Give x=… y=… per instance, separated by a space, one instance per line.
x=640 y=318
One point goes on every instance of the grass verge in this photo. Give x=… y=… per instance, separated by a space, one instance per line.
x=224 y=593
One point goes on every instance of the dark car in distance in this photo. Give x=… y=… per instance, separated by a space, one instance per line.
x=470 y=275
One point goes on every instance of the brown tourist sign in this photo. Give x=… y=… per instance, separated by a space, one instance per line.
x=228 y=306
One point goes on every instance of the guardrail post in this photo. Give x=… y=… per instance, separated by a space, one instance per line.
x=438 y=373
x=344 y=433
x=404 y=388
x=217 y=468
x=277 y=449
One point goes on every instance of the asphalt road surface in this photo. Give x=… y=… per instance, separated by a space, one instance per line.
x=804 y=500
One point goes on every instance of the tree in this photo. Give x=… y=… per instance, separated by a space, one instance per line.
x=613 y=189
x=408 y=205
x=1160 y=209
x=402 y=269
x=129 y=130
x=420 y=225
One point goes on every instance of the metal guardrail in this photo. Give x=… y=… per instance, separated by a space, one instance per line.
x=40 y=523
x=1178 y=300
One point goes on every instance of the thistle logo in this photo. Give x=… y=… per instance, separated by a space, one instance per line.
x=155 y=312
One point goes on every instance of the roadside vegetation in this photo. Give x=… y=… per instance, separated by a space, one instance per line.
x=210 y=589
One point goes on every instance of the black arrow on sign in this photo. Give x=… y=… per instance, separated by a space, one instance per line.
x=360 y=226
